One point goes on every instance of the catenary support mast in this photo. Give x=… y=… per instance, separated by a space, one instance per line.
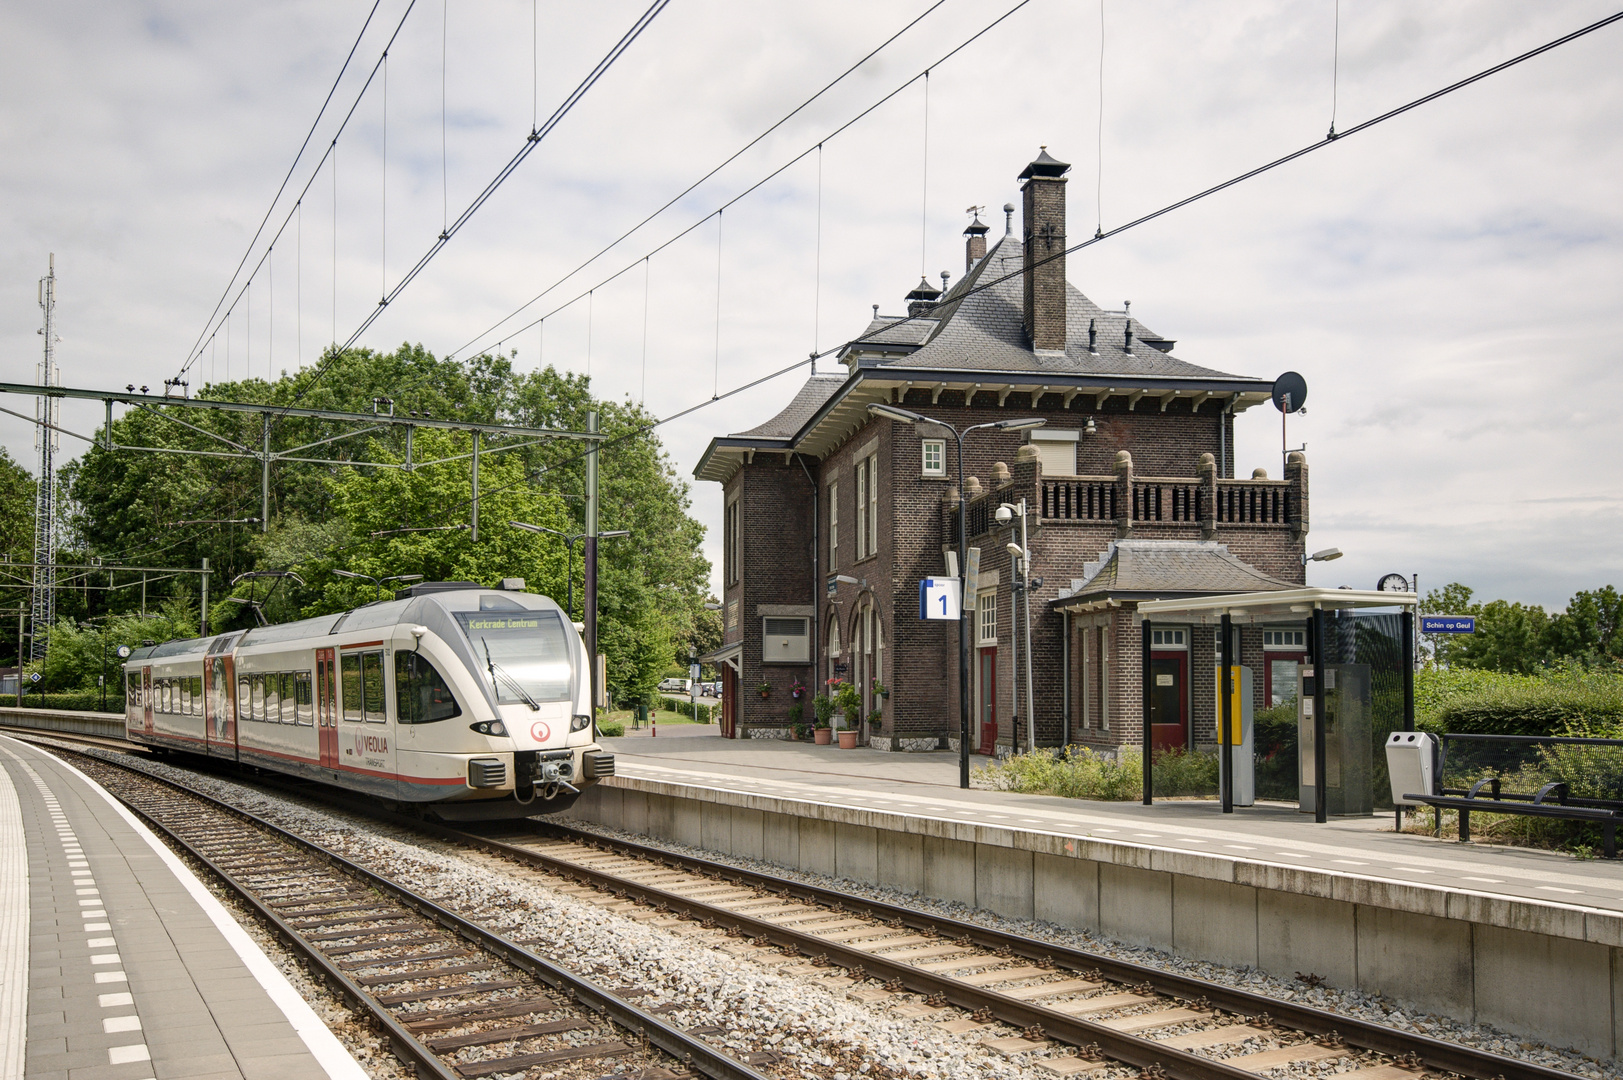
x=49 y=414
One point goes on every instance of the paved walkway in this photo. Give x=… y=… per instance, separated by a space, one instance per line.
x=116 y=963
x=927 y=785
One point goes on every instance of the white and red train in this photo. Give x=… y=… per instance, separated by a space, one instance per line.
x=463 y=701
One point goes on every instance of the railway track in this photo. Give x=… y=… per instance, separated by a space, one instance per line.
x=1080 y=1011
x=1071 y=1012
x=455 y=1000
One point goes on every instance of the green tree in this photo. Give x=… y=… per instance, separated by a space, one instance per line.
x=1452 y=599
x=1587 y=632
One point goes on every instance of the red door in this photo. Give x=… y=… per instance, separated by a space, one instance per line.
x=729 y=702
x=987 y=711
x=326 y=709
x=1169 y=700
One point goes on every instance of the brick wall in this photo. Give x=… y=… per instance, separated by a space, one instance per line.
x=775 y=531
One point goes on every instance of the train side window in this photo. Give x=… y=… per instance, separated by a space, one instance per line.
x=197 y=694
x=245 y=705
x=306 y=702
x=185 y=687
x=372 y=680
x=259 y=697
x=132 y=689
x=273 y=699
x=351 y=685
x=420 y=693
x=290 y=706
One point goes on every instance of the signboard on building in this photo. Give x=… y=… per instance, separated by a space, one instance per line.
x=1448 y=624
x=941 y=599
x=972 y=589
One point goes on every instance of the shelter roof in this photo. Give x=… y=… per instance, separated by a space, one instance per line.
x=1140 y=570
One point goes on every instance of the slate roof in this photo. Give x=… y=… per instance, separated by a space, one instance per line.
x=1139 y=569
x=818 y=389
x=986 y=331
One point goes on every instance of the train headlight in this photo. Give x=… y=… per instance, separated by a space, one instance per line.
x=580 y=723
x=489 y=727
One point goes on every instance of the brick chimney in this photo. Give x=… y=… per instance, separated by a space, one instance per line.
x=975 y=246
x=1043 y=214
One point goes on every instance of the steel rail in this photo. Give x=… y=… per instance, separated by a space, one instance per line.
x=1309 y=1021
x=1363 y=1034
x=692 y=1051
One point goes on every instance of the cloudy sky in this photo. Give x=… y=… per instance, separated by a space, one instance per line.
x=1448 y=282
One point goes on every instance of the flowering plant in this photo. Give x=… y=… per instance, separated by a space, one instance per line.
x=797 y=690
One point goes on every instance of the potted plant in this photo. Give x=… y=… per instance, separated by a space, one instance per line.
x=797 y=718
x=850 y=703
x=822 y=710
x=765 y=689
x=880 y=690
x=797 y=690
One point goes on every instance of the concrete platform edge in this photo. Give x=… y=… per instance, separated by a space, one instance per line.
x=312 y=1030
x=1473 y=956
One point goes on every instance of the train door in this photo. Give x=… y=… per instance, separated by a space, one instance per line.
x=327 y=708
x=219 y=717
x=365 y=743
x=146 y=698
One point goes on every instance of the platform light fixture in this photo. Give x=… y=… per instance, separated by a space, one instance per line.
x=1327 y=555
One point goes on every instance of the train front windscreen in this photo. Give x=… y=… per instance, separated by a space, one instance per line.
x=526 y=656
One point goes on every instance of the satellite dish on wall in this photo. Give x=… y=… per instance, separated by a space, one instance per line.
x=1290 y=392
x=1392 y=583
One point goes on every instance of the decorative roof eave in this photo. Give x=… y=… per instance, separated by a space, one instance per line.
x=727 y=453
x=1081 y=605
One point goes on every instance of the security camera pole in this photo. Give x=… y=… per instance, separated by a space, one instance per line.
x=908 y=417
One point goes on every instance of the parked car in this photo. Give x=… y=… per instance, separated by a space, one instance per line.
x=673 y=686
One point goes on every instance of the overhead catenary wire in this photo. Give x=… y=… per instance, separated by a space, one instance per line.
x=1169 y=208
x=283 y=186
x=1099 y=134
x=752 y=188
x=531 y=142
x=1335 y=69
x=679 y=196
x=332 y=149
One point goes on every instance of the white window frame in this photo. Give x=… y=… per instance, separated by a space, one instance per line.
x=862 y=510
x=833 y=524
x=939 y=469
x=986 y=618
x=734 y=536
x=873 y=504
x=1294 y=641
x=1169 y=639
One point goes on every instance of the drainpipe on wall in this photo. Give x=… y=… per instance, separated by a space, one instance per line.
x=817 y=578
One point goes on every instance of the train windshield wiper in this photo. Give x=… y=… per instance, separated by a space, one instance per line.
x=499 y=672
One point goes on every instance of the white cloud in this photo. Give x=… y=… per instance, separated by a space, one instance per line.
x=1446 y=282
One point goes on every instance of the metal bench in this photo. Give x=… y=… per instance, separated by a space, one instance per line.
x=1535 y=805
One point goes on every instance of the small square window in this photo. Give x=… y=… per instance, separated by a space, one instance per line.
x=1168 y=639
x=935 y=457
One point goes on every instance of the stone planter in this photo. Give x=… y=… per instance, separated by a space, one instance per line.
x=821 y=736
x=848 y=740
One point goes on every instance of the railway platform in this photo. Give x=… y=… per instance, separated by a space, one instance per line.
x=1526 y=940
x=116 y=963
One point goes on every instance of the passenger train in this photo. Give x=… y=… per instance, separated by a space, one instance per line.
x=461 y=701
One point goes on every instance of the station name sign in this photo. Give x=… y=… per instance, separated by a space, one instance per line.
x=1448 y=624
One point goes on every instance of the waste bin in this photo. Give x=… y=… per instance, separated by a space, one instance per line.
x=1410 y=759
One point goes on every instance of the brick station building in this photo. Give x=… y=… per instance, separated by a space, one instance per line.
x=833 y=515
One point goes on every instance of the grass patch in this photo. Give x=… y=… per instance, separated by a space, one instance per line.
x=1079 y=773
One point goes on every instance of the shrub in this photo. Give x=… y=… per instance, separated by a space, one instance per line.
x=75 y=701
x=700 y=713
x=1493 y=703
x=1079 y=773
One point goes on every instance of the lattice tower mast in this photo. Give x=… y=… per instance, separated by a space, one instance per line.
x=48 y=415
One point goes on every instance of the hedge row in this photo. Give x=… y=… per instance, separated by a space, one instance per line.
x=74 y=701
x=1495 y=703
x=703 y=714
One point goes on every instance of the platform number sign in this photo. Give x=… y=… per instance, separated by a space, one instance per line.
x=941 y=599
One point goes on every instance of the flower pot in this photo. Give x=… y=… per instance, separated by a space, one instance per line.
x=848 y=740
x=821 y=736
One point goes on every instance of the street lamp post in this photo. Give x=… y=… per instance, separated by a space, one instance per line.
x=569 y=545
x=907 y=416
x=378 y=581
